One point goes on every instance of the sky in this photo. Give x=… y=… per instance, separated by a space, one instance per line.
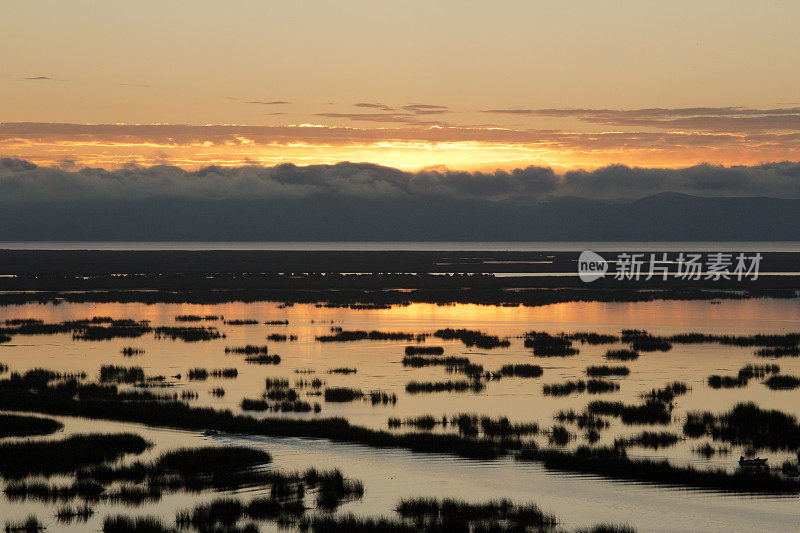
x=464 y=85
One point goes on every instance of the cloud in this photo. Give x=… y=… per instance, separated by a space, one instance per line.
x=21 y=180
x=709 y=119
x=400 y=118
x=367 y=105
x=273 y=102
x=426 y=109
x=38 y=78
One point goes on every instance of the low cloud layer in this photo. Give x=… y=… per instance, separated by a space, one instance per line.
x=21 y=180
x=710 y=119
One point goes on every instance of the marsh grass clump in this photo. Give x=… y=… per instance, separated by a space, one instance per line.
x=227 y=373
x=116 y=329
x=587 y=337
x=472 y=338
x=188 y=333
x=605 y=370
x=416 y=387
x=622 y=355
x=424 y=350
x=241 y=322
x=25 y=458
x=130 y=351
x=197 y=374
x=546 y=345
x=340 y=335
x=418 y=361
x=667 y=393
x=25 y=426
x=277 y=337
x=196 y=318
x=613 y=463
x=141 y=524
x=757 y=371
x=249 y=349
x=342 y=370
x=29 y=525
x=583 y=420
x=606 y=528
x=592 y=386
x=69 y=514
x=649 y=439
x=647 y=413
x=121 y=374
x=4 y=338
x=264 y=359
x=521 y=371
x=747 y=425
x=342 y=394
x=217 y=392
x=332 y=487
x=459 y=515
x=560 y=436
x=277 y=323
x=726 y=382
x=782 y=382
x=642 y=341
x=779 y=351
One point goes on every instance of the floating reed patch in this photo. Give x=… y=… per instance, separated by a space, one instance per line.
x=249 y=349
x=546 y=345
x=416 y=387
x=424 y=350
x=342 y=371
x=605 y=370
x=649 y=439
x=25 y=426
x=20 y=459
x=227 y=373
x=726 y=382
x=592 y=386
x=746 y=425
x=782 y=382
x=521 y=371
x=613 y=463
x=340 y=335
x=472 y=338
x=622 y=355
x=188 y=334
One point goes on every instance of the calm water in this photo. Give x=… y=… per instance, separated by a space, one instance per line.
x=371 y=246
x=391 y=474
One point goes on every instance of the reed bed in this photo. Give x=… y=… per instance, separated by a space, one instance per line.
x=592 y=386
x=416 y=387
x=615 y=464
x=649 y=439
x=25 y=426
x=521 y=371
x=340 y=335
x=472 y=338
x=747 y=425
x=605 y=370
x=249 y=349
x=782 y=382
x=424 y=350
x=25 y=458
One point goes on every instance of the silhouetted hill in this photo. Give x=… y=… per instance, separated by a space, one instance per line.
x=664 y=216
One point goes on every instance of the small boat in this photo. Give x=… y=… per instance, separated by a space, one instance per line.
x=757 y=462
x=212 y=432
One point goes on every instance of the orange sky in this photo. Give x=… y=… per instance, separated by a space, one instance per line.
x=464 y=84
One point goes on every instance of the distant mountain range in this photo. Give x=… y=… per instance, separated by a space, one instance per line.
x=662 y=217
